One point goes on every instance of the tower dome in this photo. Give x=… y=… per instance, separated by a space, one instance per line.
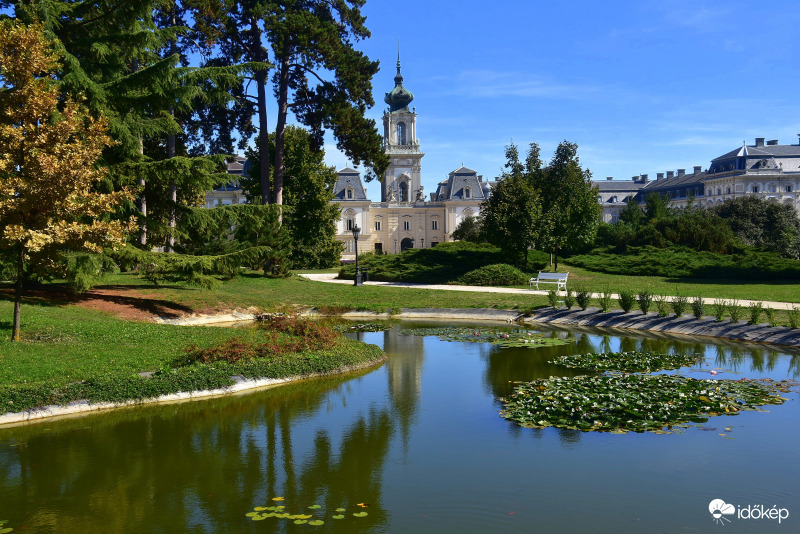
x=399 y=97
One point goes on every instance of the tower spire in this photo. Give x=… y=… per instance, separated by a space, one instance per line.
x=399 y=97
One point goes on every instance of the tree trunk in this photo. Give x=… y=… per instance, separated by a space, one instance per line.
x=280 y=127
x=18 y=287
x=263 y=137
x=555 y=254
x=173 y=197
x=141 y=202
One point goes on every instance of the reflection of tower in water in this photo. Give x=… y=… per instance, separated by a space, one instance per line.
x=406 y=355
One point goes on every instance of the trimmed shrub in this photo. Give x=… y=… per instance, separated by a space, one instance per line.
x=755 y=313
x=583 y=298
x=662 y=305
x=679 y=305
x=719 y=309
x=498 y=274
x=698 y=307
x=735 y=311
x=794 y=316
x=644 y=299
x=626 y=300
x=773 y=321
x=569 y=299
x=605 y=300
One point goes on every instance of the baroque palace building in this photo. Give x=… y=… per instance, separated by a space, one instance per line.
x=404 y=218
x=764 y=169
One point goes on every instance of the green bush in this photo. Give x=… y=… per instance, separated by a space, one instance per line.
x=755 y=313
x=720 y=306
x=734 y=310
x=442 y=264
x=698 y=307
x=498 y=274
x=605 y=300
x=773 y=321
x=552 y=298
x=644 y=299
x=681 y=262
x=569 y=299
x=627 y=299
x=794 y=316
x=680 y=305
x=662 y=305
x=583 y=297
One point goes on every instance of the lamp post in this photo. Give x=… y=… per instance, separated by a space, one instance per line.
x=423 y=243
x=395 y=246
x=356 y=233
x=413 y=242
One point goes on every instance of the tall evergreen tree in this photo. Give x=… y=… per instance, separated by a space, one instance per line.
x=311 y=218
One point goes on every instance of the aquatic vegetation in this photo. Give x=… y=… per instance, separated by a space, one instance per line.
x=260 y=513
x=503 y=338
x=362 y=327
x=627 y=362
x=622 y=403
x=4 y=529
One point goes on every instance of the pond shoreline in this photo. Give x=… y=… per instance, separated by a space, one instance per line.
x=686 y=325
x=241 y=385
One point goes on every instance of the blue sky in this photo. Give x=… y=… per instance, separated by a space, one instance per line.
x=641 y=87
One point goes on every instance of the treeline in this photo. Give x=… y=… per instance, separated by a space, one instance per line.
x=183 y=85
x=724 y=228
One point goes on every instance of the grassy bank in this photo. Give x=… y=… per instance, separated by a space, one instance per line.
x=71 y=353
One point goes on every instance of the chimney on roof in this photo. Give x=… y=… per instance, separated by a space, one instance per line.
x=681 y=172
x=698 y=169
x=659 y=176
x=643 y=179
x=609 y=177
x=759 y=141
x=772 y=142
x=670 y=174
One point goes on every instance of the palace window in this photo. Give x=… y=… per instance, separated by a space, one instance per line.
x=377 y=226
x=434 y=225
x=406 y=225
x=403 y=191
x=788 y=188
x=401 y=133
x=467 y=192
x=755 y=189
x=349 y=194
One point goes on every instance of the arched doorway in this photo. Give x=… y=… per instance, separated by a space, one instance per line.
x=406 y=244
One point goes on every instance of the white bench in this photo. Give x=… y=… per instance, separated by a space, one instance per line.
x=549 y=278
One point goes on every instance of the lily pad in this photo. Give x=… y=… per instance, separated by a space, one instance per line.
x=259 y=517
x=338 y=516
x=360 y=514
x=314 y=507
x=316 y=522
x=636 y=403
x=261 y=508
x=341 y=510
x=300 y=521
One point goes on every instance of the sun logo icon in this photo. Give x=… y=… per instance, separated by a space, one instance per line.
x=719 y=509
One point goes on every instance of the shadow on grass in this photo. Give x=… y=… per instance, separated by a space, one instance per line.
x=110 y=298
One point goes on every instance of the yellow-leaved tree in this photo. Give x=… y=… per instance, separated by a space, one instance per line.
x=49 y=148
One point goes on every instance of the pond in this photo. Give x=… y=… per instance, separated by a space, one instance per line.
x=416 y=445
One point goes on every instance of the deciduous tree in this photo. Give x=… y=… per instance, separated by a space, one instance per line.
x=48 y=155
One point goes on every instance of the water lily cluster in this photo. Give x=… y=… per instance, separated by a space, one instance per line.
x=629 y=362
x=278 y=511
x=503 y=338
x=632 y=402
x=362 y=327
